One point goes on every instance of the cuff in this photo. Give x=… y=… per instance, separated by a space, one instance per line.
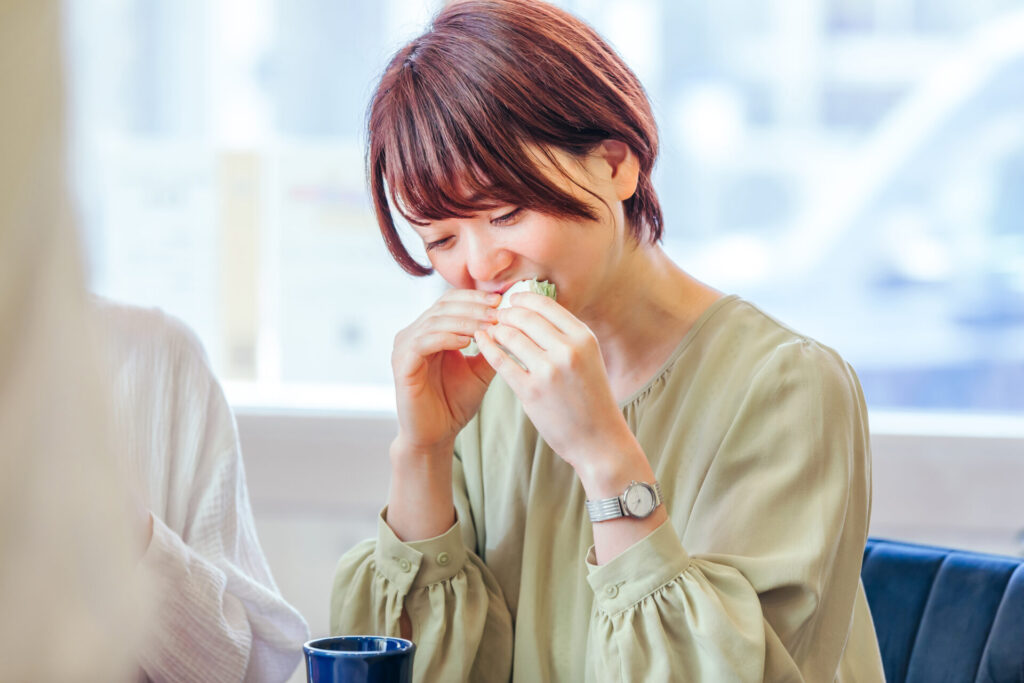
x=165 y=552
x=420 y=563
x=183 y=639
x=174 y=571
x=638 y=571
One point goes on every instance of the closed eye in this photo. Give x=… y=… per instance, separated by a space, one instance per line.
x=439 y=244
x=508 y=218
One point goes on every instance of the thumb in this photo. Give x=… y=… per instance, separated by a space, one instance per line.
x=481 y=368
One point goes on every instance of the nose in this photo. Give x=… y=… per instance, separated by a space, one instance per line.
x=486 y=260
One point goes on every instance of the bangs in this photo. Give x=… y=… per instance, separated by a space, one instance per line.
x=470 y=115
x=446 y=157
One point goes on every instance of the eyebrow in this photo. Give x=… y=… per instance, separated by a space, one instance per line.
x=484 y=200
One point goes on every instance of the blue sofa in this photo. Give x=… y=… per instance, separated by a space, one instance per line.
x=946 y=615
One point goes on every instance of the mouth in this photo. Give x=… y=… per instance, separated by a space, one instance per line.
x=508 y=285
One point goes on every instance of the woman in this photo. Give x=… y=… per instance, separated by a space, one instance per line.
x=518 y=145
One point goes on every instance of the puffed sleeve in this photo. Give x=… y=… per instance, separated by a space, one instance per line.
x=758 y=581
x=218 y=614
x=461 y=623
x=221 y=616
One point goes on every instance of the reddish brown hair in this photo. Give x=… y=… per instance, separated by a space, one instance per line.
x=455 y=110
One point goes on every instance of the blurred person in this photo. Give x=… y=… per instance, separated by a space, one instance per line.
x=218 y=616
x=68 y=538
x=642 y=479
x=107 y=413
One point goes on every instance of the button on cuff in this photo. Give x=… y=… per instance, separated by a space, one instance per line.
x=395 y=560
x=638 y=571
x=443 y=557
x=419 y=563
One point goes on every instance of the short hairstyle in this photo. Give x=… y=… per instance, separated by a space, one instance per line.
x=452 y=121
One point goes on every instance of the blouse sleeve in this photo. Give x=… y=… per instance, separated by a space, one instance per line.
x=461 y=623
x=220 y=615
x=780 y=520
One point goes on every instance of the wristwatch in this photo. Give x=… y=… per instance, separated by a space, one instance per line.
x=638 y=500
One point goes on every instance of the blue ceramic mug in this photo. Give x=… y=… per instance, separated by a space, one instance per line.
x=359 y=659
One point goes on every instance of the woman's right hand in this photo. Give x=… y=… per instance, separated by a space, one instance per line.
x=438 y=390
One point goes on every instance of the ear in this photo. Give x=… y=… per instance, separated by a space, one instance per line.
x=624 y=164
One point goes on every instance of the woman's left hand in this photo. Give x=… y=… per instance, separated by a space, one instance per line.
x=564 y=388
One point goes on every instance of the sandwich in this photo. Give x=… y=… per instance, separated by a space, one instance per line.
x=537 y=287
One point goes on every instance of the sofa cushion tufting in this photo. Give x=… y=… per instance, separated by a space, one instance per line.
x=946 y=615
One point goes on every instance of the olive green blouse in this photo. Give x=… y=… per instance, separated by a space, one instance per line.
x=759 y=438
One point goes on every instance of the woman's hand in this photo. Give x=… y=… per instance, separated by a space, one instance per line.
x=564 y=388
x=438 y=390
x=566 y=394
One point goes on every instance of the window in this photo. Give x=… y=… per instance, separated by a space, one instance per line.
x=855 y=167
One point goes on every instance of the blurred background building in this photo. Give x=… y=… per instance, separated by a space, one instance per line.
x=856 y=167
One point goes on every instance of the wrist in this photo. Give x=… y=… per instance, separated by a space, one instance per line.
x=404 y=454
x=420 y=502
x=607 y=473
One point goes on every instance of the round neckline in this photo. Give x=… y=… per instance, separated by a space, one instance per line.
x=678 y=351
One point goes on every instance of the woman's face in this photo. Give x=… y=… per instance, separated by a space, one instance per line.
x=495 y=248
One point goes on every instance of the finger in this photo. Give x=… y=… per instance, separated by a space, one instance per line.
x=472 y=296
x=457 y=307
x=410 y=358
x=479 y=366
x=449 y=323
x=562 y=319
x=465 y=309
x=519 y=345
x=468 y=307
x=499 y=359
x=538 y=328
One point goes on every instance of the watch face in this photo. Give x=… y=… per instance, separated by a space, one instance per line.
x=639 y=500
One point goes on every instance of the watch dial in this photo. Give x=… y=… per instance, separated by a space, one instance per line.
x=639 y=500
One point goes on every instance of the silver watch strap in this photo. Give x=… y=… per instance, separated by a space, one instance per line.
x=658 y=500
x=605 y=509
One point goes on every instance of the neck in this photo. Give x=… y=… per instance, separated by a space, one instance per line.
x=642 y=314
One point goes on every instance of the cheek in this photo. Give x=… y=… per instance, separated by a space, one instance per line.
x=451 y=269
x=544 y=242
